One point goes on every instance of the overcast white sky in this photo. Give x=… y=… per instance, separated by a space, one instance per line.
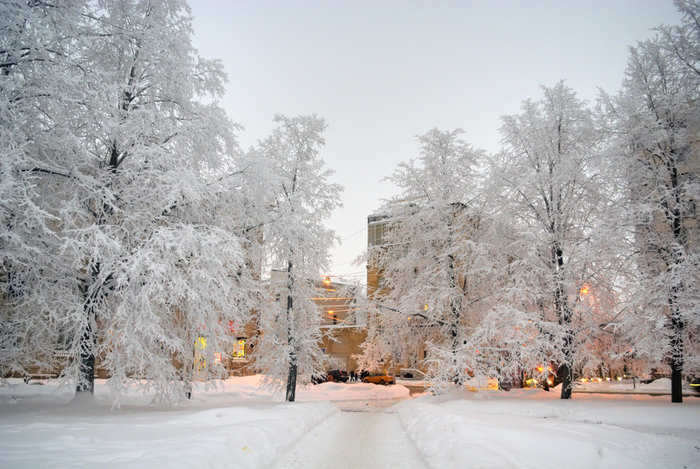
x=382 y=72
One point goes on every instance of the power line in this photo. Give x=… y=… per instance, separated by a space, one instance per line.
x=360 y=231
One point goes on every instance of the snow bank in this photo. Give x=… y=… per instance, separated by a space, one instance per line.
x=246 y=388
x=662 y=385
x=236 y=437
x=236 y=426
x=535 y=429
x=354 y=391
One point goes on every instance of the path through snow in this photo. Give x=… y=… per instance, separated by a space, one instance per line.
x=355 y=439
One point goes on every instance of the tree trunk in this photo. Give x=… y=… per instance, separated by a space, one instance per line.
x=292 y=380
x=562 y=308
x=566 y=368
x=187 y=369
x=86 y=379
x=681 y=237
x=677 y=360
x=292 y=375
x=459 y=378
x=676 y=380
x=88 y=344
x=567 y=380
x=454 y=311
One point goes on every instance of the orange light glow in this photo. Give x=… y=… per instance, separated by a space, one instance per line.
x=327 y=280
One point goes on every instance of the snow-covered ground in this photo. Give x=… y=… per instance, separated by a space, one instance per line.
x=630 y=386
x=238 y=426
x=531 y=428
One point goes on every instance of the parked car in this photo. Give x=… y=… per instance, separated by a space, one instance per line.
x=508 y=383
x=319 y=379
x=553 y=378
x=412 y=374
x=694 y=382
x=379 y=378
x=338 y=376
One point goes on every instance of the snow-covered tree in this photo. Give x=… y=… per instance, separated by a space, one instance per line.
x=659 y=122
x=124 y=225
x=297 y=244
x=547 y=187
x=432 y=263
x=36 y=47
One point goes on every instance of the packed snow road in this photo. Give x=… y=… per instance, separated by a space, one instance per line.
x=353 y=439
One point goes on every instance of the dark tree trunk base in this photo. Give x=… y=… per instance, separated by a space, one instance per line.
x=566 y=382
x=291 y=383
x=676 y=383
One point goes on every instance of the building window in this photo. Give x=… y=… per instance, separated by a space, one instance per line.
x=200 y=347
x=375 y=234
x=239 y=349
x=375 y=229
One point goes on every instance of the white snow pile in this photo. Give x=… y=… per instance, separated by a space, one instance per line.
x=531 y=428
x=235 y=426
